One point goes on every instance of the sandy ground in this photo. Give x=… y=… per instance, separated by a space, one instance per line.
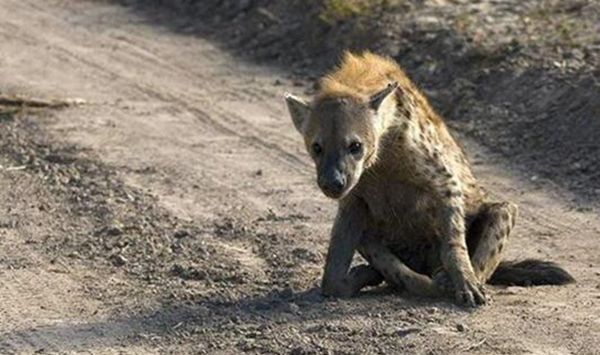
x=175 y=212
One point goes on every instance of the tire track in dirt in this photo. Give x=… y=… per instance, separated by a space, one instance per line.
x=227 y=122
x=216 y=115
x=150 y=90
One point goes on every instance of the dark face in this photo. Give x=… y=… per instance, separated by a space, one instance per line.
x=340 y=137
x=340 y=134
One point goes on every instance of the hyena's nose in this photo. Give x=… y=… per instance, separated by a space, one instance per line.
x=333 y=183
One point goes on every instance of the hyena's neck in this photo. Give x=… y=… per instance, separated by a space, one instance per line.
x=422 y=128
x=411 y=132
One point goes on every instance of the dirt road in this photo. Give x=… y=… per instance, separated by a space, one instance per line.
x=175 y=212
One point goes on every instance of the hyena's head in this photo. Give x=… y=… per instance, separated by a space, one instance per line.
x=341 y=134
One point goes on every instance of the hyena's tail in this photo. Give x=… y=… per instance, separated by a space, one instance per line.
x=530 y=272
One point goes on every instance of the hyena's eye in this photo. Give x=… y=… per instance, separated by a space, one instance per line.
x=317 y=149
x=355 y=148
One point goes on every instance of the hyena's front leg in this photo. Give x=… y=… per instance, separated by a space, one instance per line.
x=486 y=237
x=447 y=185
x=350 y=225
x=455 y=256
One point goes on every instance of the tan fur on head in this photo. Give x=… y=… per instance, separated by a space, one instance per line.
x=360 y=75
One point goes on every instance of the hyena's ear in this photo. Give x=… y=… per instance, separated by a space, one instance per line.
x=377 y=99
x=299 y=110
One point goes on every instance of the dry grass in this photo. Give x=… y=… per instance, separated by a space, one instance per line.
x=339 y=10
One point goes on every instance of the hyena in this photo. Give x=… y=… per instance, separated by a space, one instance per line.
x=408 y=200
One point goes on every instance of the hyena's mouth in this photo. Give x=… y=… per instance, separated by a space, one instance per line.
x=337 y=193
x=334 y=195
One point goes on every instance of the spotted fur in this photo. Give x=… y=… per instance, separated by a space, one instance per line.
x=412 y=207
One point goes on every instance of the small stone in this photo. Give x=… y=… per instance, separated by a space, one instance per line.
x=118 y=260
x=114 y=230
x=188 y=273
x=461 y=327
x=182 y=233
x=402 y=332
x=293 y=308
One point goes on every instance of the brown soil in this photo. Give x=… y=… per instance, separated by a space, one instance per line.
x=175 y=211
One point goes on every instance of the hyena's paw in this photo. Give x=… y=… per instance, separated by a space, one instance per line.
x=470 y=293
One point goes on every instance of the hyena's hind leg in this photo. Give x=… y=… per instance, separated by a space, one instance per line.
x=395 y=271
x=487 y=235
